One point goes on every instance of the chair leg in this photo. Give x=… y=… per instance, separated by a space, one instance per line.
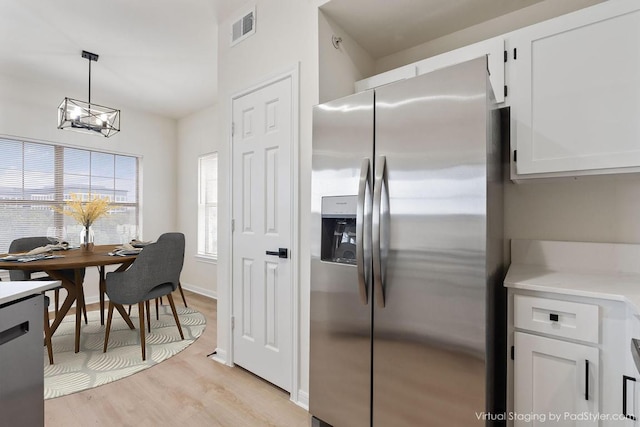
x=147 y=304
x=47 y=335
x=129 y=312
x=157 y=313
x=182 y=294
x=142 y=342
x=108 y=329
x=175 y=314
x=56 y=296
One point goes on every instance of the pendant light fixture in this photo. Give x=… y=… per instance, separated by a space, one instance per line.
x=87 y=117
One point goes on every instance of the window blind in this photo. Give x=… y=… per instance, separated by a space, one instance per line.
x=37 y=177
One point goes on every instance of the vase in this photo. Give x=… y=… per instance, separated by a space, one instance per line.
x=87 y=239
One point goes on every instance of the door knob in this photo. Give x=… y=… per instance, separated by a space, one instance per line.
x=281 y=253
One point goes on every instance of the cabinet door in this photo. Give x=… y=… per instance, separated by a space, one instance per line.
x=631 y=386
x=575 y=91
x=554 y=378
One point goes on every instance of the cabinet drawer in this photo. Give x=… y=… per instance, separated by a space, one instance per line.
x=555 y=317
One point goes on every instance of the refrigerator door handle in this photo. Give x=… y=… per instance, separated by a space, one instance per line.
x=363 y=230
x=380 y=232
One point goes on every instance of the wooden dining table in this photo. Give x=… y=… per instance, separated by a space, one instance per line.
x=77 y=260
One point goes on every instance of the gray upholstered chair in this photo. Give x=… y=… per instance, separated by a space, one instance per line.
x=184 y=300
x=25 y=244
x=154 y=273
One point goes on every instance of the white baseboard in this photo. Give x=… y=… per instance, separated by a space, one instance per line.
x=303 y=400
x=96 y=298
x=200 y=290
x=220 y=356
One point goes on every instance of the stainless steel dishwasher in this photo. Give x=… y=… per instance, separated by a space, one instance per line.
x=21 y=362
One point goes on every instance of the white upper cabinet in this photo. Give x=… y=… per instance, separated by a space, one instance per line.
x=493 y=48
x=574 y=89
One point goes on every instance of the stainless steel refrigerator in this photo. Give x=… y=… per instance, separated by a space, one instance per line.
x=407 y=307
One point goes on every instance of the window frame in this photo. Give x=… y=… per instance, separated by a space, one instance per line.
x=203 y=206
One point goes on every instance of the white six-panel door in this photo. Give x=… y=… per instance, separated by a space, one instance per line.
x=262 y=303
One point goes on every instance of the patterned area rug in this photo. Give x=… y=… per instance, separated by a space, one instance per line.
x=91 y=367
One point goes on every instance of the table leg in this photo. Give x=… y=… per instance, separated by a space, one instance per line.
x=80 y=298
x=66 y=305
x=124 y=266
x=79 y=305
x=74 y=294
x=103 y=289
x=74 y=288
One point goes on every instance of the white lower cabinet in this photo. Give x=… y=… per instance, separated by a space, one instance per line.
x=631 y=375
x=571 y=356
x=573 y=315
x=556 y=382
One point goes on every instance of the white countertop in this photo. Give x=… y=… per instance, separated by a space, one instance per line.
x=11 y=291
x=612 y=286
x=595 y=270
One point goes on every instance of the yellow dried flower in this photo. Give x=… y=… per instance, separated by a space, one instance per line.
x=86 y=213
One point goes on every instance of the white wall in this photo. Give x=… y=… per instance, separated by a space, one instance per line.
x=286 y=35
x=592 y=209
x=28 y=110
x=339 y=68
x=197 y=134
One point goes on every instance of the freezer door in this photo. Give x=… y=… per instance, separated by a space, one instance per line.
x=340 y=317
x=429 y=219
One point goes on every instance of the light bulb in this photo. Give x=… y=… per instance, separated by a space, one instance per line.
x=75 y=113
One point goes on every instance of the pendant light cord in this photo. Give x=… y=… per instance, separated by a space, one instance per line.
x=89 y=82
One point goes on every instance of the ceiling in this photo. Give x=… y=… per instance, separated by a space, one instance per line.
x=160 y=55
x=155 y=55
x=383 y=27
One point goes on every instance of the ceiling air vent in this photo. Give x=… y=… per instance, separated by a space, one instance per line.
x=243 y=27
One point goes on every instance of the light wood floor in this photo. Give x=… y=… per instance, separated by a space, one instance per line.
x=189 y=389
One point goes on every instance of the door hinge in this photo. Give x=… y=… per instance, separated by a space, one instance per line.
x=515 y=53
x=505 y=56
x=513 y=353
x=505 y=90
x=233 y=225
x=233 y=323
x=515 y=155
x=233 y=129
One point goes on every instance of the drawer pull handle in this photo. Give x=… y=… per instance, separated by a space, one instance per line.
x=14 y=332
x=553 y=317
x=624 y=396
x=586 y=379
